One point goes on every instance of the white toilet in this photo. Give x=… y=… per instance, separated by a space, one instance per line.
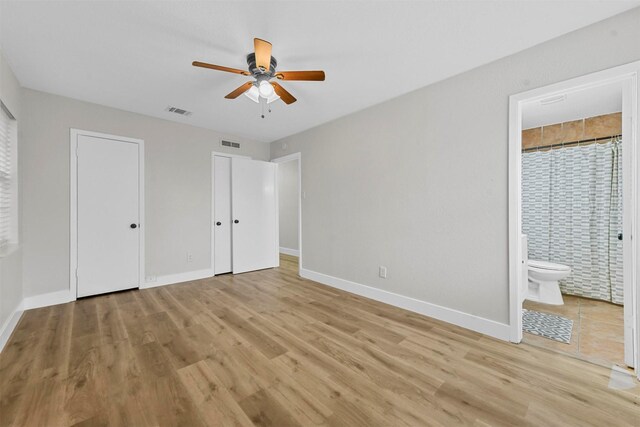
x=543 y=281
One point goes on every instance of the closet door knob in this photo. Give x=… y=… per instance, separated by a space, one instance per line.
x=134 y=226
x=218 y=223
x=235 y=221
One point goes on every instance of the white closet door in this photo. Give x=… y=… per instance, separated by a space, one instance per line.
x=255 y=215
x=108 y=216
x=222 y=214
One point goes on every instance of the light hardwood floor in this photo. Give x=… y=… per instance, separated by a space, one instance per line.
x=269 y=348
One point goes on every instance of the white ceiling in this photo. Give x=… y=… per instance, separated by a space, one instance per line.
x=137 y=55
x=573 y=106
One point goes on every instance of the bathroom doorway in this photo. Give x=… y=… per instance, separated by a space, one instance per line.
x=573 y=186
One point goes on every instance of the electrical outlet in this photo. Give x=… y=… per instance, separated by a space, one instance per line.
x=189 y=257
x=150 y=279
x=382 y=272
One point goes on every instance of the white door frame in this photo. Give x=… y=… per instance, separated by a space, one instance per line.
x=628 y=75
x=213 y=205
x=289 y=158
x=73 y=204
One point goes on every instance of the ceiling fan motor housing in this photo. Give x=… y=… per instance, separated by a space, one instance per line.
x=258 y=72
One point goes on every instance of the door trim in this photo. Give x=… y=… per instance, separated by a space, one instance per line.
x=213 y=205
x=628 y=74
x=73 y=204
x=288 y=158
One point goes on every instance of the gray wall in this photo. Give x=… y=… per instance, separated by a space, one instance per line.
x=419 y=183
x=10 y=265
x=288 y=204
x=177 y=186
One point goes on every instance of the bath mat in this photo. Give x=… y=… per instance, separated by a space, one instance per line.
x=550 y=326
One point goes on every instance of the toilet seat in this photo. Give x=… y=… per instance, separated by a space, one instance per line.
x=546 y=265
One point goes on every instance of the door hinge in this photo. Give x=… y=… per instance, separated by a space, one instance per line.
x=76 y=273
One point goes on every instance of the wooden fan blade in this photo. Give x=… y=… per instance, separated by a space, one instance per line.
x=283 y=94
x=242 y=89
x=220 y=68
x=301 y=75
x=263 y=54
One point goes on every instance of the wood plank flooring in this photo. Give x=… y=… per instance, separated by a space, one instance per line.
x=268 y=348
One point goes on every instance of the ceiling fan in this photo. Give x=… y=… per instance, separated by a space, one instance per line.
x=262 y=67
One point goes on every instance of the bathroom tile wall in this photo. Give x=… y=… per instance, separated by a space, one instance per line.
x=577 y=130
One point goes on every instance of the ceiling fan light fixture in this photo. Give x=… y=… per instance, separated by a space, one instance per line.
x=273 y=97
x=253 y=94
x=265 y=89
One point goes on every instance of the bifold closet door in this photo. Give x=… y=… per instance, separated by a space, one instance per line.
x=222 y=214
x=108 y=209
x=254 y=207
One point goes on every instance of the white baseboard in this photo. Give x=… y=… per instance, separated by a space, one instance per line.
x=62 y=297
x=468 y=321
x=287 y=251
x=45 y=300
x=9 y=325
x=37 y=301
x=171 y=279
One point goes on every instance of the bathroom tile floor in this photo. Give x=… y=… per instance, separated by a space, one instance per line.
x=598 y=330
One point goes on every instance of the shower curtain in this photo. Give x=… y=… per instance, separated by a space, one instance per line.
x=572 y=215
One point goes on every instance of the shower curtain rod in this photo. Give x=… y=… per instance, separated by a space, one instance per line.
x=569 y=144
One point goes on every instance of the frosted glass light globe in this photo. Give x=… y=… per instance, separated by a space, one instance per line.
x=265 y=88
x=253 y=94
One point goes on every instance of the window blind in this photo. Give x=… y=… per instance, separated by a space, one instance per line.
x=7 y=134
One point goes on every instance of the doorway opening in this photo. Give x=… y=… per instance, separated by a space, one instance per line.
x=573 y=214
x=290 y=209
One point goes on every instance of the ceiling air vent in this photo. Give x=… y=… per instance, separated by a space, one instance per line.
x=230 y=144
x=178 y=111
